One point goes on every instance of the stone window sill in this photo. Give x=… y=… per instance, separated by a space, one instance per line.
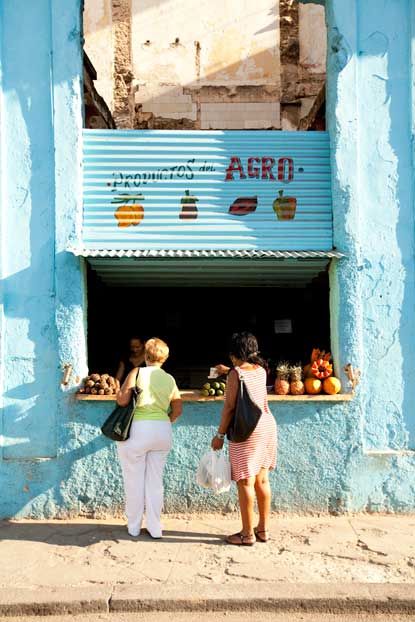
x=194 y=396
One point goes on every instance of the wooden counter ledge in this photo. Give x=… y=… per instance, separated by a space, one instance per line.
x=194 y=396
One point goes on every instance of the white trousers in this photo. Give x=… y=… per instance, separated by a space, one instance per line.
x=142 y=459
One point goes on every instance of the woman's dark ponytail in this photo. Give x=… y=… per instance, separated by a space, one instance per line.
x=244 y=346
x=255 y=359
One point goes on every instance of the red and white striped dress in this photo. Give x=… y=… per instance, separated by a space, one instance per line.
x=260 y=449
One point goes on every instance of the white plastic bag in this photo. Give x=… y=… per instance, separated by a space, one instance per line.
x=214 y=471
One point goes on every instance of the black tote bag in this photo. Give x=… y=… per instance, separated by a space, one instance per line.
x=245 y=417
x=117 y=425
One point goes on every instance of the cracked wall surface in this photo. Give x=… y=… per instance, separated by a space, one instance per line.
x=99 y=45
x=183 y=65
x=226 y=66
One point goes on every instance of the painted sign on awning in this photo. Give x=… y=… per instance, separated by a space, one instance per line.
x=162 y=189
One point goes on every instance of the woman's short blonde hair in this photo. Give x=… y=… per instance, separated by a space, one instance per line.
x=156 y=350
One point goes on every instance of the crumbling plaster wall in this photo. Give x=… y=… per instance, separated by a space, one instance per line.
x=303 y=59
x=98 y=45
x=229 y=65
x=214 y=68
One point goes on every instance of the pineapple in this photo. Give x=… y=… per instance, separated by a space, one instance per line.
x=296 y=384
x=282 y=386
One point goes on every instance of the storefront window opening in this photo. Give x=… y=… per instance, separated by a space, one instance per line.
x=197 y=319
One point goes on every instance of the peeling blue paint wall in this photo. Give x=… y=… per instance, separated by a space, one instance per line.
x=370 y=122
x=42 y=298
x=341 y=457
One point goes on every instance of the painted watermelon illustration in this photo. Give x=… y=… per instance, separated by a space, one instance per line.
x=243 y=205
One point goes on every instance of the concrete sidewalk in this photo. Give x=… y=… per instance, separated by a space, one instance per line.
x=347 y=563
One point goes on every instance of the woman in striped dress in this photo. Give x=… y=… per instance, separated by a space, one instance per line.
x=251 y=460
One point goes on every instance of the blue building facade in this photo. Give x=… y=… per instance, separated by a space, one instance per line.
x=333 y=456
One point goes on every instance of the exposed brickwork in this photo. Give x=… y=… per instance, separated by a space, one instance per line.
x=96 y=112
x=300 y=85
x=289 y=49
x=123 y=75
x=160 y=99
x=149 y=121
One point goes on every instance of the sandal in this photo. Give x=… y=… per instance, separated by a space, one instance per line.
x=240 y=540
x=261 y=538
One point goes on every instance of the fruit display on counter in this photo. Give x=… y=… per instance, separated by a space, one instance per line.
x=316 y=377
x=316 y=354
x=319 y=374
x=321 y=368
x=99 y=384
x=332 y=385
x=312 y=386
x=213 y=389
x=282 y=385
x=296 y=383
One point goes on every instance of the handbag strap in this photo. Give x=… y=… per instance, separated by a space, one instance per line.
x=241 y=380
x=242 y=385
x=137 y=389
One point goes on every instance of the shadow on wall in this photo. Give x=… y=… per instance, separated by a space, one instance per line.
x=224 y=93
x=389 y=421
x=30 y=378
x=32 y=104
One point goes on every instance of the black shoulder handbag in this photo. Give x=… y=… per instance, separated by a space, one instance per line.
x=245 y=417
x=117 y=425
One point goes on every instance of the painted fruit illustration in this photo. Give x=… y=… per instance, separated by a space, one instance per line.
x=129 y=212
x=284 y=207
x=189 y=209
x=312 y=386
x=332 y=385
x=243 y=205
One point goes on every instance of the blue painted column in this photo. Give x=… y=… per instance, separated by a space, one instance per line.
x=42 y=294
x=28 y=221
x=373 y=290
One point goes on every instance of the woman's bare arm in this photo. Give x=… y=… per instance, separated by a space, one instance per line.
x=120 y=371
x=176 y=409
x=228 y=408
x=176 y=405
x=124 y=394
x=230 y=401
x=222 y=369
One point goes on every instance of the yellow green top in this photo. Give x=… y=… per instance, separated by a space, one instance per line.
x=158 y=389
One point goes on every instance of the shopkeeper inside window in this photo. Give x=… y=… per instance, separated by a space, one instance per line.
x=134 y=357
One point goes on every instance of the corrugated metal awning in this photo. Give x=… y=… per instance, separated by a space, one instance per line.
x=229 y=253
x=196 y=190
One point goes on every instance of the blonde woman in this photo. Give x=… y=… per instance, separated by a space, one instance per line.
x=143 y=456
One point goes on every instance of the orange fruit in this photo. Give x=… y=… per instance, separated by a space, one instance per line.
x=332 y=385
x=129 y=215
x=312 y=386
